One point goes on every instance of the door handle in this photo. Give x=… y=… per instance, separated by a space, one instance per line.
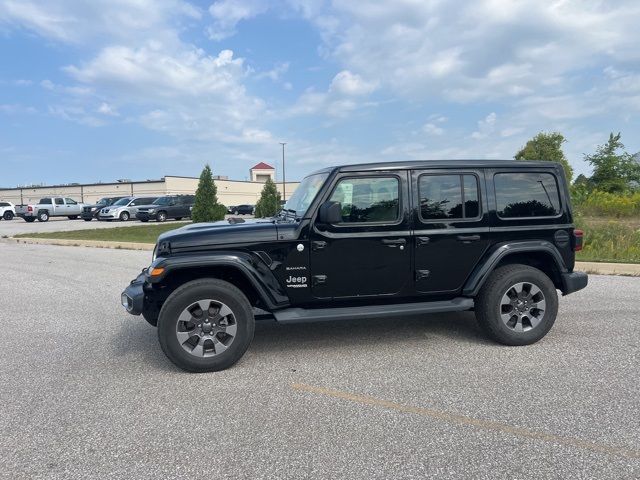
x=423 y=240
x=318 y=245
x=393 y=242
x=468 y=238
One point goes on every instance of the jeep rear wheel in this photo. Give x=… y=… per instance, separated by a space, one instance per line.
x=205 y=325
x=517 y=305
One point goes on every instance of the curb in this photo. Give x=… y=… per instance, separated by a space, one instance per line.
x=83 y=243
x=598 y=268
x=602 y=268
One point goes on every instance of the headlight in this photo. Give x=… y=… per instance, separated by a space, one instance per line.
x=151 y=210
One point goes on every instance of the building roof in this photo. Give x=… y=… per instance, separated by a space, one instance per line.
x=262 y=166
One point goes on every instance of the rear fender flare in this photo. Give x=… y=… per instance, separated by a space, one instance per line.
x=488 y=264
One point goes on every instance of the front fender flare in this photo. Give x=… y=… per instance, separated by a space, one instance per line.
x=249 y=265
x=489 y=263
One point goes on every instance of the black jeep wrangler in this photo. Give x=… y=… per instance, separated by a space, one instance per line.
x=367 y=241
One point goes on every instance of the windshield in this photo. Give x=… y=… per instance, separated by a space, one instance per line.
x=102 y=201
x=122 y=201
x=305 y=193
x=163 y=201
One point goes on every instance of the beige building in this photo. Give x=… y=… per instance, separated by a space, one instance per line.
x=261 y=172
x=230 y=192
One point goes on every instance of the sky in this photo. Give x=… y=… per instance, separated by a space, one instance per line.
x=99 y=90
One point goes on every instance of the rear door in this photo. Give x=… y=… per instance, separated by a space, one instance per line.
x=451 y=227
x=367 y=253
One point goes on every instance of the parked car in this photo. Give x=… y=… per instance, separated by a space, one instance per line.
x=7 y=210
x=230 y=209
x=124 y=209
x=50 y=207
x=169 y=206
x=89 y=212
x=370 y=241
x=243 y=210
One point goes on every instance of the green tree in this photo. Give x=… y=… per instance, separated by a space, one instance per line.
x=269 y=203
x=614 y=170
x=546 y=146
x=206 y=207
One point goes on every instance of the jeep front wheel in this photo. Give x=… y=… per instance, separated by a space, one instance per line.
x=517 y=305
x=205 y=325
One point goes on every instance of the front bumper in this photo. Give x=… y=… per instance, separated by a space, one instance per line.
x=132 y=298
x=146 y=216
x=89 y=215
x=572 y=282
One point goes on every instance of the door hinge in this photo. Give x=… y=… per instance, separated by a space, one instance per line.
x=318 y=245
x=422 y=274
x=319 y=280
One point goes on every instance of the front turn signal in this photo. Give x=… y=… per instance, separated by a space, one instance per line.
x=155 y=272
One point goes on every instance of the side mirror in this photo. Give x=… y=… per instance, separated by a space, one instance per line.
x=330 y=212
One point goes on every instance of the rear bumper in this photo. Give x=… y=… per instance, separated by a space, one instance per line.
x=132 y=298
x=572 y=282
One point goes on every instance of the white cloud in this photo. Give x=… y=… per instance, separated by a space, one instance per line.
x=228 y=13
x=106 y=109
x=347 y=83
x=76 y=22
x=477 y=50
x=432 y=129
x=485 y=127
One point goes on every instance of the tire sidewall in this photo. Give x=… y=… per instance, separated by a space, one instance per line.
x=161 y=217
x=124 y=216
x=189 y=293
x=43 y=217
x=492 y=300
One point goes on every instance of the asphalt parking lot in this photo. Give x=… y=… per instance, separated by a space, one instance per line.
x=87 y=393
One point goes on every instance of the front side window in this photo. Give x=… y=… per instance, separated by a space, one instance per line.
x=526 y=195
x=70 y=201
x=122 y=202
x=364 y=200
x=163 y=201
x=448 y=197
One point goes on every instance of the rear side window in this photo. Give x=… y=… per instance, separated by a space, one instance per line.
x=59 y=201
x=3 y=204
x=448 y=197
x=521 y=195
x=367 y=200
x=45 y=201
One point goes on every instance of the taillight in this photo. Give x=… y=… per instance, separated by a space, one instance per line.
x=577 y=240
x=29 y=208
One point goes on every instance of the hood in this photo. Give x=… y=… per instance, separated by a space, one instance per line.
x=221 y=233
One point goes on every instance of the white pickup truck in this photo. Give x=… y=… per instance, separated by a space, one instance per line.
x=50 y=207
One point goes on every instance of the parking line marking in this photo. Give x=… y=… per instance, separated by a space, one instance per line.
x=467 y=421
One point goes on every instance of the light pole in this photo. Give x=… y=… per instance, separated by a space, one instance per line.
x=284 y=188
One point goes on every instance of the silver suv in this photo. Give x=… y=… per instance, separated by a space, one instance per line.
x=124 y=209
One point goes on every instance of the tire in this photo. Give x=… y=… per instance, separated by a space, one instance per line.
x=178 y=218
x=504 y=305
x=43 y=216
x=87 y=219
x=29 y=219
x=72 y=217
x=219 y=294
x=144 y=221
x=161 y=217
x=8 y=215
x=235 y=212
x=124 y=217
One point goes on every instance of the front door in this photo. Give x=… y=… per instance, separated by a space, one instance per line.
x=451 y=228
x=369 y=251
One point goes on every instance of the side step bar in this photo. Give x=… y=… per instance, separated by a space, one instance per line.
x=295 y=315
